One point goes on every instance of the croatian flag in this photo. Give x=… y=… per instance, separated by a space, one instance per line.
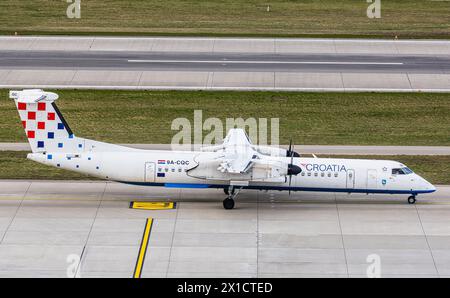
x=161 y=162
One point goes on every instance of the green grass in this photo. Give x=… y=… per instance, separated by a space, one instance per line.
x=14 y=165
x=307 y=118
x=332 y=18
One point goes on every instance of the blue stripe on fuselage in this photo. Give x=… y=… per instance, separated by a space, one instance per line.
x=185 y=185
x=315 y=189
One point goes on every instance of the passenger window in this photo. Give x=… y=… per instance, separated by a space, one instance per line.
x=329 y=174
x=159 y=169
x=335 y=174
x=309 y=173
x=179 y=170
x=173 y=170
x=303 y=173
x=316 y=174
x=322 y=174
x=166 y=170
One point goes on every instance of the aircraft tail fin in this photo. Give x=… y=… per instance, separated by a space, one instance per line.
x=44 y=125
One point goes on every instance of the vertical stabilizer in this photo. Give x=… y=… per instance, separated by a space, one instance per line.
x=44 y=126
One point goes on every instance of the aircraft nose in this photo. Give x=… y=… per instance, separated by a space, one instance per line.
x=427 y=185
x=431 y=186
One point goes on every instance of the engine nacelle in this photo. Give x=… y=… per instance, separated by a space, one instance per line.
x=270 y=150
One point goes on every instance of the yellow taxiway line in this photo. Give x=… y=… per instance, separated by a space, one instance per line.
x=143 y=248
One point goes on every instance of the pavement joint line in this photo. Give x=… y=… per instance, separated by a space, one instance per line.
x=426 y=239
x=79 y=267
x=333 y=43
x=409 y=80
x=342 y=235
x=15 y=214
x=341 y=75
x=92 y=43
x=171 y=242
x=141 y=73
x=143 y=248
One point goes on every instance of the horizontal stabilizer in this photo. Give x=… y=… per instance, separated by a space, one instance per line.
x=33 y=96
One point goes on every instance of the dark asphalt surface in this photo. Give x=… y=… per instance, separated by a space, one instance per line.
x=183 y=61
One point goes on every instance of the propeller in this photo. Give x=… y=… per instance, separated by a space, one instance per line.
x=292 y=169
x=291 y=151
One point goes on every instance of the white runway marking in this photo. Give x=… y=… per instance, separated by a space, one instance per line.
x=266 y=62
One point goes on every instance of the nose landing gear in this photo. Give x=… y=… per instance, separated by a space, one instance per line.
x=412 y=199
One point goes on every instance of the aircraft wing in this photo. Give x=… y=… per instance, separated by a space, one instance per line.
x=238 y=160
x=238 y=154
x=237 y=163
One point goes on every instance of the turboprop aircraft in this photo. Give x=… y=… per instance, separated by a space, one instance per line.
x=232 y=166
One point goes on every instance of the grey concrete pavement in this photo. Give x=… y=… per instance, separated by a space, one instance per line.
x=226 y=45
x=270 y=234
x=225 y=64
x=302 y=149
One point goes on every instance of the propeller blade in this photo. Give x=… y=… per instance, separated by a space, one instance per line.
x=290 y=180
x=291 y=151
x=292 y=154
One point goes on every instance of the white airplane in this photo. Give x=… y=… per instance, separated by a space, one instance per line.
x=232 y=166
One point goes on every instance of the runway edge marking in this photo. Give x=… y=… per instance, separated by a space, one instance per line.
x=143 y=248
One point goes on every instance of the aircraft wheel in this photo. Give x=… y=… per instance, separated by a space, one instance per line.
x=411 y=200
x=228 y=203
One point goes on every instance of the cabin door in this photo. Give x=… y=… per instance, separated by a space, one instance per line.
x=149 y=175
x=350 y=178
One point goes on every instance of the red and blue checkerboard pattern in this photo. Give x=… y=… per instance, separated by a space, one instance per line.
x=44 y=128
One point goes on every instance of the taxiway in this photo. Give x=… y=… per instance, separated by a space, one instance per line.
x=44 y=224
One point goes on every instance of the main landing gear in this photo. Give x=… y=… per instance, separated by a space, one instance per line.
x=228 y=203
x=412 y=199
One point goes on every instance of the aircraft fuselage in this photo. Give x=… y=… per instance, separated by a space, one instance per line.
x=171 y=169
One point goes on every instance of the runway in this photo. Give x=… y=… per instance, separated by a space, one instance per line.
x=225 y=64
x=217 y=62
x=45 y=224
x=302 y=149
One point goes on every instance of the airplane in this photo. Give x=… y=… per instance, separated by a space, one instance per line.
x=234 y=165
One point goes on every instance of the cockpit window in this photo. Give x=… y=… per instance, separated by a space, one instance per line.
x=401 y=171
x=397 y=172
x=407 y=170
